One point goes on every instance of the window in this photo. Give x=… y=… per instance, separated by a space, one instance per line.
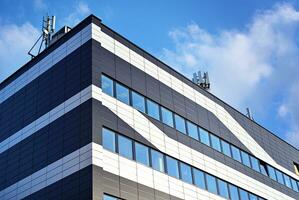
x=108 y=140
x=279 y=177
x=204 y=137
x=157 y=160
x=142 y=154
x=252 y=197
x=287 y=181
x=215 y=141
x=226 y=148
x=243 y=195
x=107 y=85
x=186 y=173
x=233 y=191
x=255 y=164
x=263 y=168
x=108 y=197
x=180 y=124
x=192 y=130
x=271 y=172
x=153 y=109
x=211 y=184
x=167 y=116
x=125 y=147
x=199 y=178
x=245 y=159
x=138 y=102
x=294 y=185
x=122 y=93
x=223 y=189
x=172 y=167
x=236 y=153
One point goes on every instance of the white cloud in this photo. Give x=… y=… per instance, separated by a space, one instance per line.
x=40 y=5
x=15 y=42
x=81 y=10
x=256 y=66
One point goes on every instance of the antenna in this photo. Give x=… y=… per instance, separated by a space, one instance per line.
x=248 y=114
x=48 y=28
x=202 y=81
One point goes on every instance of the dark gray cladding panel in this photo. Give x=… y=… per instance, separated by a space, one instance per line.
x=76 y=186
x=63 y=80
x=56 y=140
x=283 y=153
x=106 y=182
x=159 y=92
x=103 y=117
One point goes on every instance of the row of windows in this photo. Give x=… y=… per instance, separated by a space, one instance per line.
x=186 y=127
x=149 y=157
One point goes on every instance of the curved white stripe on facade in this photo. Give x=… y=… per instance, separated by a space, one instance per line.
x=151 y=69
x=46 y=63
x=154 y=135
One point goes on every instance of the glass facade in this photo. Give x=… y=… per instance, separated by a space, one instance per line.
x=186 y=173
x=223 y=188
x=204 y=137
x=215 y=142
x=109 y=140
x=107 y=85
x=211 y=184
x=153 y=109
x=192 y=130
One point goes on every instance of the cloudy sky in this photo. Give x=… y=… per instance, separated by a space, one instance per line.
x=250 y=48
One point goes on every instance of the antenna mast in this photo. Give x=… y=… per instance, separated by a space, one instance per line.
x=48 y=28
x=202 y=81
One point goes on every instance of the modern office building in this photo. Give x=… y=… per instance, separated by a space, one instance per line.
x=96 y=117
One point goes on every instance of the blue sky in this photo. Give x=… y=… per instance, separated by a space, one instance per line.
x=250 y=48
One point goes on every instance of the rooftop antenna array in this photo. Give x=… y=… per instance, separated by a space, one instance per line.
x=202 y=81
x=48 y=29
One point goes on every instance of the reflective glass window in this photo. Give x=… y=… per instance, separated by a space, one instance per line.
x=204 y=137
x=271 y=172
x=122 y=93
x=192 y=130
x=226 y=148
x=172 y=167
x=157 y=160
x=294 y=185
x=107 y=85
x=199 y=178
x=108 y=197
x=252 y=197
x=236 y=153
x=234 y=193
x=138 y=101
x=125 y=147
x=142 y=153
x=255 y=164
x=245 y=159
x=243 y=195
x=180 y=124
x=108 y=140
x=279 y=177
x=211 y=184
x=215 y=143
x=167 y=116
x=153 y=109
x=287 y=181
x=186 y=173
x=223 y=188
